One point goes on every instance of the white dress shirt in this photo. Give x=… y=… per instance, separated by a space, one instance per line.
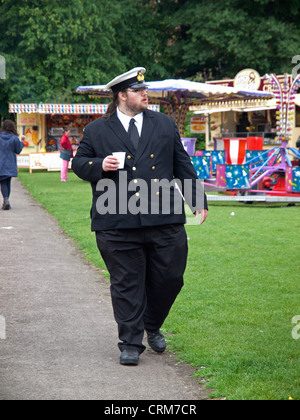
x=125 y=120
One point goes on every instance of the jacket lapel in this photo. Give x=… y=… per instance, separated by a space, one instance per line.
x=117 y=127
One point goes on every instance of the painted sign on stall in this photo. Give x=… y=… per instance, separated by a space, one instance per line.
x=198 y=124
x=247 y=79
x=27 y=119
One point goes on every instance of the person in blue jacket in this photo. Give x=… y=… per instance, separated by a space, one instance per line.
x=10 y=146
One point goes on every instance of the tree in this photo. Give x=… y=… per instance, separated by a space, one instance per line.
x=52 y=47
x=143 y=38
x=224 y=36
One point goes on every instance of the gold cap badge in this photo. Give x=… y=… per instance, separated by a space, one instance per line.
x=140 y=77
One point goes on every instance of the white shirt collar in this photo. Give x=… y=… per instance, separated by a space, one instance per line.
x=125 y=120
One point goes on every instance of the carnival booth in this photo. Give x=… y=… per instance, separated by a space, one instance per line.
x=258 y=159
x=43 y=124
x=255 y=118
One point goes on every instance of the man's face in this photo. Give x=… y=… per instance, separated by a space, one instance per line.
x=135 y=100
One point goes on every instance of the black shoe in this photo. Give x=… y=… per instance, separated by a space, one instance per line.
x=157 y=341
x=129 y=357
x=6 y=204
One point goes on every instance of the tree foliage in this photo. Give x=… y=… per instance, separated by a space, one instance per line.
x=51 y=47
x=225 y=36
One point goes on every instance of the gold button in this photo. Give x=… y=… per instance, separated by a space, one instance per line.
x=153 y=168
x=135 y=181
x=151 y=156
x=137 y=194
x=134 y=168
x=128 y=157
x=155 y=180
x=157 y=193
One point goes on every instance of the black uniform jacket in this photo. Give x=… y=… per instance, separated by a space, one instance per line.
x=143 y=194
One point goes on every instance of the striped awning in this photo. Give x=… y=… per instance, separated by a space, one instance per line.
x=77 y=109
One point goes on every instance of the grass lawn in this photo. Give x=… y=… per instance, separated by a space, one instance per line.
x=233 y=319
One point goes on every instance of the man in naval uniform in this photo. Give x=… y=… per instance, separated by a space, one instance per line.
x=138 y=211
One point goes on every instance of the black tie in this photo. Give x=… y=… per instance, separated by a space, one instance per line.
x=133 y=133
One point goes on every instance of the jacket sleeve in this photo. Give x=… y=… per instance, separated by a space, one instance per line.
x=86 y=165
x=19 y=145
x=191 y=186
x=65 y=143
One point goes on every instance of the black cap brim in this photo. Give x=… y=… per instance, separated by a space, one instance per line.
x=138 y=85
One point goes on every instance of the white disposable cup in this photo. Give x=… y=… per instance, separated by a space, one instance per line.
x=121 y=158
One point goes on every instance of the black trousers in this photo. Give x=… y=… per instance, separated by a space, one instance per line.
x=146 y=267
x=5 y=184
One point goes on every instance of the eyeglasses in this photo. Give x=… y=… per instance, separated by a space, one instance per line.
x=140 y=91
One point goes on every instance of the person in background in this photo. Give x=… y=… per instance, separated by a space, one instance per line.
x=66 y=153
x=10 y=146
